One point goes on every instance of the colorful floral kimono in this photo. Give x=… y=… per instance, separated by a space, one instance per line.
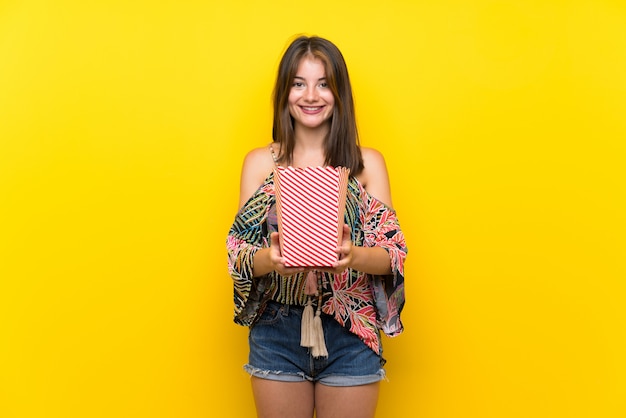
x=363 y=303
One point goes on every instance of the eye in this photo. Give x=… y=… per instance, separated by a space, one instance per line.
x=298 y=84
x=324 y=84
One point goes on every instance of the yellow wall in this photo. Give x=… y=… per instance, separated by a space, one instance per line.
x=123 y=125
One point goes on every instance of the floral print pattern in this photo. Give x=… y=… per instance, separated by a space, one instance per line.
x=365 y=304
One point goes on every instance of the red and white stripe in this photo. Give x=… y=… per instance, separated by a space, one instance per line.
x=308 y=207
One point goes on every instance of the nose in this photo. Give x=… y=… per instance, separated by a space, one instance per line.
x=311 y=94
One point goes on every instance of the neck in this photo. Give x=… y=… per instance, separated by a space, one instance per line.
x=309 y=150
x=310 y=138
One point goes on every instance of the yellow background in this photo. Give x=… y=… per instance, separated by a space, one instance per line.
x=123 y=125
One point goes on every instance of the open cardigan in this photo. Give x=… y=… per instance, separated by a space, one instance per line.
x=363 y=303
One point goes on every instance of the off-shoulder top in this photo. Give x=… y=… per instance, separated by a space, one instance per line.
x=363 y=303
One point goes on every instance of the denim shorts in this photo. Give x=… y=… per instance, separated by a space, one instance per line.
x=276 y=354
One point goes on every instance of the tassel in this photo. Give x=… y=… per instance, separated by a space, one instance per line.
x=311 y=331
x=319 y=346
x=306 y=327
x=310 y=286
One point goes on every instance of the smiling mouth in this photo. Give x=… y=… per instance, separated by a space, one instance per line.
x=311 y=109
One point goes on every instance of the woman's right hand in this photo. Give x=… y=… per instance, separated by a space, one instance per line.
x=277 y=260
x=273 y=260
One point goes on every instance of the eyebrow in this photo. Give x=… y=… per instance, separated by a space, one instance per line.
x=302 y=78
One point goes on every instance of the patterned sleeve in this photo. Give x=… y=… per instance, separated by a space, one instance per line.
x=382 y=229
x=247 y=235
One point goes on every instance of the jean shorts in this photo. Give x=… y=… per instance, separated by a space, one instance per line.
x=276 y=354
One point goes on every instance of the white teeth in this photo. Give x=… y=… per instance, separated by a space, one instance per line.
x=311 y=109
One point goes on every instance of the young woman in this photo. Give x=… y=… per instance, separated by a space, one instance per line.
x=360 y=295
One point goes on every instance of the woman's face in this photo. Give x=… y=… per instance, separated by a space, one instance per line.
x=311 y=101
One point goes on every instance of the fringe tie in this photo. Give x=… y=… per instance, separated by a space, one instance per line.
x=312 y=333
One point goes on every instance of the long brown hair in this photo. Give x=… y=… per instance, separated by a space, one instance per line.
x=342 y=142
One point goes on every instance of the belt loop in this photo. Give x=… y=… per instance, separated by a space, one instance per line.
x=285 y=309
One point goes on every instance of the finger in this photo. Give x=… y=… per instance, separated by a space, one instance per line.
x=346 y=236
x=274 y=239
x=275 y=252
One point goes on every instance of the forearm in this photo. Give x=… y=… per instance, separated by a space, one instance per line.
x=262 y=263
x=371 y=260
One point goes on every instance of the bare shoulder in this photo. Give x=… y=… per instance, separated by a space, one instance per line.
x=373 y=165
x=260 y=158
x=257 y=165
x=374 y=176
x=373 y=158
